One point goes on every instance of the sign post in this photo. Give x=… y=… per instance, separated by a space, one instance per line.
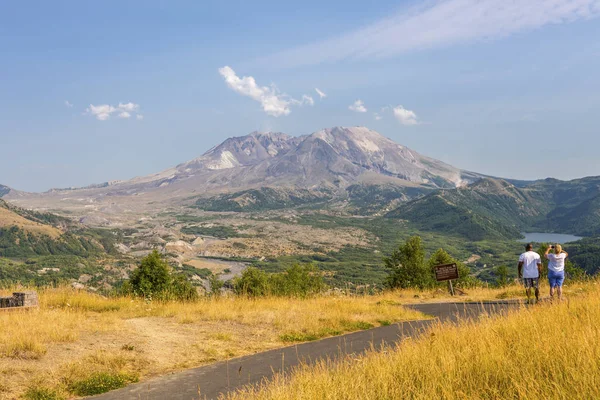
x=446 y=272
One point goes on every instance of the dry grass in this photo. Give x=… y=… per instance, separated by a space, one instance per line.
x=548 y=351
x=9 y=218
x=78 y=339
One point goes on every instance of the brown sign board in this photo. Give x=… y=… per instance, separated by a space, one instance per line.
x=446 y=272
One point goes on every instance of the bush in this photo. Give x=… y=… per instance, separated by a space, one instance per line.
x=42 y=393
x=154 y=279
x=501 y=273
x=253 y=282
x=298 y=280
x=407 y=267
x=101 y=382
x=215 y=285
x=465 y=279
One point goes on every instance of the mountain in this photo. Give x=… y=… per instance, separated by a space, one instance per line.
x=487 y=209
x=326 y=163
x=494 y=208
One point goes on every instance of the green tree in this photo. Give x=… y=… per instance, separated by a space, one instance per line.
x=152 y=276
x=215 y=285
x=501 y=273
x=253 y=282
x=574 y=272
x=154 y=279
x=407 y=266
x=298 y=280
x=465 y=279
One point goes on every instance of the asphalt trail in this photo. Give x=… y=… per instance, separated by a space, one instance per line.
x=209 y=381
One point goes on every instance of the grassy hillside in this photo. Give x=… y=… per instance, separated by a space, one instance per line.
x=550 y=351
x=371 y=199
x=11 y=217
x=263 y=199
x=488 y=209
x=496 y=209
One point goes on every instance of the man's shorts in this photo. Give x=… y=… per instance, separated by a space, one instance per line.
x=531 y=283
x=556 y=279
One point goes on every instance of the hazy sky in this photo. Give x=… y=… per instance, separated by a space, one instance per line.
x=96 y=91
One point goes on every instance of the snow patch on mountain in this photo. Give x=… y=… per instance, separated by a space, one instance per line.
x=226 y=161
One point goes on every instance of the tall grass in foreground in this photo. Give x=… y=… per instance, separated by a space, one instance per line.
x=550 y=351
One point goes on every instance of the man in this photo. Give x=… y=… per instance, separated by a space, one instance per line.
x=530 y=267
x=556 y=269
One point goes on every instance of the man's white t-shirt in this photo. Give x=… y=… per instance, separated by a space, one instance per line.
x=530 y=261
x=556 y=262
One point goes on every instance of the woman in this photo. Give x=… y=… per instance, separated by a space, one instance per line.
x=556 y=268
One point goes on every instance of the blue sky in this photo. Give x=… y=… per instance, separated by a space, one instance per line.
x=91 y=92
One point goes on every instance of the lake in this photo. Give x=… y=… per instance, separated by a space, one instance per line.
x=540 y=237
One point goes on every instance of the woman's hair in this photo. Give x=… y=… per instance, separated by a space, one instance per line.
x=557 y=248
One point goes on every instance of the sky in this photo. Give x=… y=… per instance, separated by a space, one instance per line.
x=92 y=92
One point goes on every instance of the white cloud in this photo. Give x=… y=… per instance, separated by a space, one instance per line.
x=305 y=100
x=320 y=93
x=68 y=104
x=378 y=116
x=439 y=23
x=358 y=106
x=139 y=117
x=406 y=117
x=101 y=112
x=308 y=100
x=129 y=107
x=272 y=101
x=105 y=111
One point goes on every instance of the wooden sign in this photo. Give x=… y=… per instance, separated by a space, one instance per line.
x=446 y=272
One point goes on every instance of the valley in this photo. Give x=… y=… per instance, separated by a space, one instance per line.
x=341 y=198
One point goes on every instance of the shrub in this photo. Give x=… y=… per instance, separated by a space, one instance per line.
x=42 y=393
x=253 y=282
x=501 y=273
x=101 y=382
x=154 y=279
x=215 y=285
x=407 y=267
x=298 y=280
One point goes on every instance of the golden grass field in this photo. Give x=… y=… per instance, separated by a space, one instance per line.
x=76 y=335
x=546 y=351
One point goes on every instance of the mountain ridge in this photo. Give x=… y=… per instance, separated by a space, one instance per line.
x=331 y=159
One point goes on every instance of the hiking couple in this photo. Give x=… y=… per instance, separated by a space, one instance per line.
x=530 y=269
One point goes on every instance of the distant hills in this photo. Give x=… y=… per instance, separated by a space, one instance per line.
x=494 y=208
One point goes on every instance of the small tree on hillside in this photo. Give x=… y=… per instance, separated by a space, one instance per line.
x=407 y=266
x=154 y=279
x=152 y=276
x=465 y=279
x=501 y=273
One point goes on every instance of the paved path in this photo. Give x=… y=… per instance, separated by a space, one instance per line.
x=209 y=381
